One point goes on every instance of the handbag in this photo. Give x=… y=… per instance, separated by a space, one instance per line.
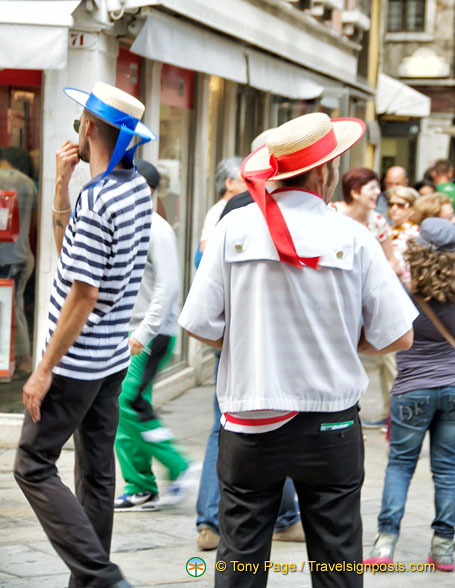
x=434 y=319
x=9 y=216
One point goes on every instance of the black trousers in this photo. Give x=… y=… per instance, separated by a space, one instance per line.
x=158 y=350
x=79 y=527
x=327 y=469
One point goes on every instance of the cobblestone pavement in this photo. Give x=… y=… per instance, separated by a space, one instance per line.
x=152 y=548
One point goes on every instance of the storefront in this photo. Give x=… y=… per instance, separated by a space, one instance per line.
x=208 y=93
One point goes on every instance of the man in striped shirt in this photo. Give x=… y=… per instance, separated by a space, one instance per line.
x=103 y=244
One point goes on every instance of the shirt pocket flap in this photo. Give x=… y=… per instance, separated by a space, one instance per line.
x=244 y=247
x=339 y=256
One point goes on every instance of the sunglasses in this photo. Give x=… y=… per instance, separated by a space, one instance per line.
x=77 y=125
x=399 y=204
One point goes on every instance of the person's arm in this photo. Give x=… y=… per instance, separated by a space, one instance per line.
x=389 y=251
x=163 y=257
x=77 y=307
x=401 y=344
x=218 y=344
x=67 y=157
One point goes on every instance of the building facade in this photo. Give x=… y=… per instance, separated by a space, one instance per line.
x=419 y=50
x=213 y=74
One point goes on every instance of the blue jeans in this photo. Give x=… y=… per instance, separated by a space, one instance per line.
x=412 y=415
x=209 y=495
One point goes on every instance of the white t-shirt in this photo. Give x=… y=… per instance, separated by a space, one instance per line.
x=291 y=334
x=211 y=219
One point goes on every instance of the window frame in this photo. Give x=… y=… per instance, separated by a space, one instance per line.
x=426 y=35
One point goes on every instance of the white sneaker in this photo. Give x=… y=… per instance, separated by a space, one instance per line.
x=141 y=501
x=182 y=486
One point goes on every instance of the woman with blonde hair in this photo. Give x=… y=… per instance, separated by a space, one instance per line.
x=433 y=205
x=423 y=397
x=401 y=201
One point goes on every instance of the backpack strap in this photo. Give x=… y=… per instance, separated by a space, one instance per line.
x=435 y=320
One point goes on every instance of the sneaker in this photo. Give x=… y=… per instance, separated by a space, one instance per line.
x=383 y=549
x=441 y=554
x=135 y=502
x=207 y=539
x=377 y=424
x=293 y=533
x=182 y=486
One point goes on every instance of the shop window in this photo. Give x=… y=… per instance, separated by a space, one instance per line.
x=174 y=165
x=287 y=109
x=406 y=16
x=250 y=109
x=20 y=137
x=215 y=133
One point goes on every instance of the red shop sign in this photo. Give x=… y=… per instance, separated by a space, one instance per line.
x=9 y=216
x=176 y=86
x=128 y=72
x=7 y=318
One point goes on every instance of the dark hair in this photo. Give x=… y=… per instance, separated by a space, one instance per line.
x=149 y=171
x=1 y=153
x=20 y=159
x=108 y=133
x=424 y=182
x=302 y=179
x=442 y=167
x=354 y=179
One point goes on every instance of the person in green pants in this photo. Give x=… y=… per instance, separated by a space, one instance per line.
x=141 y=436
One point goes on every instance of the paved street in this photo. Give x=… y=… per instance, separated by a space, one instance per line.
x=153 y=548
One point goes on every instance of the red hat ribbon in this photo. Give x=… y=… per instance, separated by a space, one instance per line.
x=256 y=181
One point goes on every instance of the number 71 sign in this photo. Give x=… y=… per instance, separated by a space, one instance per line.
x=81 y=40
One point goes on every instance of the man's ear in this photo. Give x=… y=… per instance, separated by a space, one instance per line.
x=89 y=127
x=322 y=172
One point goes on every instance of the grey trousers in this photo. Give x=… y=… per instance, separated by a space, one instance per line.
x=79 y=527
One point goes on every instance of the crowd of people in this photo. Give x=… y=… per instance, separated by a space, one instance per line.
x=299 y=298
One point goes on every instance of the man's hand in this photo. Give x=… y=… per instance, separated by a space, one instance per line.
x=34 y=391
x=135 y=347
x=67 y=158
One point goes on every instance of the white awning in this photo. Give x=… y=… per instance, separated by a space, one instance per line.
x=395 y=97
x=34 y=34
x=171 y=41
x=278 y=77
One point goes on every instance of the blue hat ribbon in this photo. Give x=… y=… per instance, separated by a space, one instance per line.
x=127 y=125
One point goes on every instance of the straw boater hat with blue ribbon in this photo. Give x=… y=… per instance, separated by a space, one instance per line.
x=292 y=149
x=119 y=109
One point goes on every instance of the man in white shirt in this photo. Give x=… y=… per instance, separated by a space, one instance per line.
x=141 y=436
x=290 y=291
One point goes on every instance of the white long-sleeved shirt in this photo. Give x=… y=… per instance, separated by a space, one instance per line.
x=155 y=311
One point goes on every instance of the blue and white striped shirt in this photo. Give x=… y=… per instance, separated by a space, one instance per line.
x=105 y=245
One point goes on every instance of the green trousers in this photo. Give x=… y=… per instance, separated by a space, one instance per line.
x=140 y=435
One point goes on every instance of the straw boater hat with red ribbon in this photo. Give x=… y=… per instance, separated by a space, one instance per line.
x=292 y=149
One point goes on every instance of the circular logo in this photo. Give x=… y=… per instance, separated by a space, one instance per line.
x=195 y=567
